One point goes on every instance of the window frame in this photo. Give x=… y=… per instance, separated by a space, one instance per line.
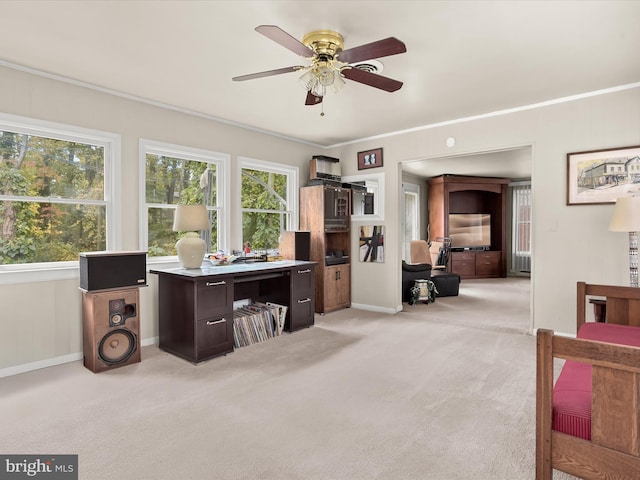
x=220 y=160
x=290 y=171
x=111 y=143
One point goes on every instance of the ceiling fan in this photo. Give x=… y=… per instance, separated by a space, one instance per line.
x=330 y=63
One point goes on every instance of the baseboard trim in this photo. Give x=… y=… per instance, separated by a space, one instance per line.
x=373 y=308
x=52 y=362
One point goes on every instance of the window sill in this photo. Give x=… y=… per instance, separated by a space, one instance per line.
x=16 y=274
x=32 y=275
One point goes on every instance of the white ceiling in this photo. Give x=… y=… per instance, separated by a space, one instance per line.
x=463 y=58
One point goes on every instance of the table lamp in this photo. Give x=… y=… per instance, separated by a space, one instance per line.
x=626 y=218
x=191 y=248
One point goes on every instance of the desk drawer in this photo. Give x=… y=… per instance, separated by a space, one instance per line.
x=214 y=297
x=214 y=336
x=302 y=280
x=301 y=313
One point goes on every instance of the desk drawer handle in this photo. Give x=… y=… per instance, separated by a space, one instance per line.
x=211 y=322
x=214 y=284
x=304 y=271
x=306 y=300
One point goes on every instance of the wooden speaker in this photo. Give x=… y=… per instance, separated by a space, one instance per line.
x=295 y=245
x=110 y=329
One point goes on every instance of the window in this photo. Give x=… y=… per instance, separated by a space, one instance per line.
x=269 y=203
x=521 y=241
x=411 y=230
x=172 y=175
x=57 y=195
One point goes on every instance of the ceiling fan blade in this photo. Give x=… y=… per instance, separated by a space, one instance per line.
x=312 y=99
x=268 y=73
x=283 y=38
x=381 y=48
x=378 y=81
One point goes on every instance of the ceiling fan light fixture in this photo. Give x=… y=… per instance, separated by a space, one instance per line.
x=309 y=80
x=318 y=90
x=331 y=64
x=338 y=83
x=326 y=75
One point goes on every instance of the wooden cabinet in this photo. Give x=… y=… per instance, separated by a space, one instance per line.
x=325 y=212
x=457 y=194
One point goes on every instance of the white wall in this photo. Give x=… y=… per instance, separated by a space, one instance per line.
x=42 y=321
x=570 y=243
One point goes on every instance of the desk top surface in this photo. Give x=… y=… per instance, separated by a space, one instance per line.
x=233 y=269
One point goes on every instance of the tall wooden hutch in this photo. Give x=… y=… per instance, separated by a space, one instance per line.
x=450 y=194
x=325 y=211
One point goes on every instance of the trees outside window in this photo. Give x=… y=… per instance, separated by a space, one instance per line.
x=53 y=196
x=180 y=175
x=269 y=203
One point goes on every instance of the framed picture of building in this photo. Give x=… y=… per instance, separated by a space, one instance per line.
x=602 y=176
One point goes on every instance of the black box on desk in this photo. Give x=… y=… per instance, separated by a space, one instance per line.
x=106 y=270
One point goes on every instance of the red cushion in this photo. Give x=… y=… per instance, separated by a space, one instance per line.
x=572 y=391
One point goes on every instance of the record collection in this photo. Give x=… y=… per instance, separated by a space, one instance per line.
x=257 y=322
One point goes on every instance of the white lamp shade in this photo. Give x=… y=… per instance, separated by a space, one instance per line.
x=626 y=215
x=191 y=248
x=189 y=218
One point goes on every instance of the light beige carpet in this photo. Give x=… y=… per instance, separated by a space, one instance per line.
x=440 y=391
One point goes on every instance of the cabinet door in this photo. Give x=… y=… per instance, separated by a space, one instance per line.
x=337 y=287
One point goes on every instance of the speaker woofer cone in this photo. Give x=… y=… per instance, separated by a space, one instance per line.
x=117 y=346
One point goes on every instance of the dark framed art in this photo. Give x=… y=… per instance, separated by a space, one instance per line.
x=370 y=159
x=602 y=176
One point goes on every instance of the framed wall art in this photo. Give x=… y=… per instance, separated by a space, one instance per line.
x=370 y=159
x=602 y=176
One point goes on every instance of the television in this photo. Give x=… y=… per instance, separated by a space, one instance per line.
x=470 y=231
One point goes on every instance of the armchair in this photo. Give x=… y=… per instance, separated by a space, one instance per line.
x=447 y=284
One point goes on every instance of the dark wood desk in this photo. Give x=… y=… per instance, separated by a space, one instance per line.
x=196 y=305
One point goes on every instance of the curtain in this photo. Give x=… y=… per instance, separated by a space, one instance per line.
x=521 y=231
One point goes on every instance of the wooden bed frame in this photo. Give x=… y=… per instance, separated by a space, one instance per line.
x=614 y=449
